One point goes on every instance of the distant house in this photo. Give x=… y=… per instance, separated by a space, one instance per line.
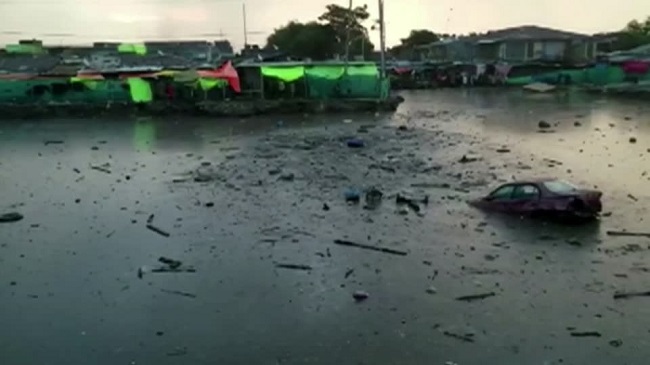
x=516 y=44
x=27 y=64
x=447 y=50
x=222 y=49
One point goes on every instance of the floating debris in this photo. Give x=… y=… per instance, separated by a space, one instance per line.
x=173 y=264
x=470 y=298
x=621 y=295
x=369 y=247
x=153 y=228
x=586 y=334
x=11 y=217
x=627 y=234
x=53 y=141
x=101 y=168
x=360 y=295
x=294 y=267
x=464 y=338
x=170 y=270
x=180 y=293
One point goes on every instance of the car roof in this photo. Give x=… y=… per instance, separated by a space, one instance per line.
x=533 y=181
x=536 y=180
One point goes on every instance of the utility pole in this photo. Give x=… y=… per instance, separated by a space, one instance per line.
x=347 y=38
x=382 y=38
x=243 y=7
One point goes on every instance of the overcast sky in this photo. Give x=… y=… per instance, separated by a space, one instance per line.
x=83 y=21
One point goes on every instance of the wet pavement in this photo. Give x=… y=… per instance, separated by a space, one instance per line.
x=252 y=208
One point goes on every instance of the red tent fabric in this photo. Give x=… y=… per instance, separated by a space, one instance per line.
x=636 y=67
x=226 y=72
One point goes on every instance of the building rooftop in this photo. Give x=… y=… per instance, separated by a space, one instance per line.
x=528 y=32
x=27 y=64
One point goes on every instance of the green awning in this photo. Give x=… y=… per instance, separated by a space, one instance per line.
x=137 y=48
x=286 y=74
x=326 y=72
x=209 y=84
x=140 y=90
x=366 y=70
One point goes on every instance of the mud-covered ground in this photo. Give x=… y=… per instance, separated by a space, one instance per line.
x=252 y=209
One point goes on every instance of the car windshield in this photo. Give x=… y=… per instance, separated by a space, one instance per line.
x=560 y=187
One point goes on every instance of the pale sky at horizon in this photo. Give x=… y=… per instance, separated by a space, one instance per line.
x=85 y=21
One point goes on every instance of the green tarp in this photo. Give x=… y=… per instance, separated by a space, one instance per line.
x=209 y=84
x=139 y=49
x=140 y=90
x=286 y=74
x=365 y=70
x=24 y=49
x=91 y=84
x=325 y=72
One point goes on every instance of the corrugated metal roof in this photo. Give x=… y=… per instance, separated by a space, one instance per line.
x=529 y=32
x=303 y=63
x=28 y=64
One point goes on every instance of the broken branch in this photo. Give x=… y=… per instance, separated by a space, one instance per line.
x=369 y=247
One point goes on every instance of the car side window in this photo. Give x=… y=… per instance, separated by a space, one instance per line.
x=526 y=192
x=503 y=193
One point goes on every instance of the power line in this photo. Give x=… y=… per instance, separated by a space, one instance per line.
x=58 y=2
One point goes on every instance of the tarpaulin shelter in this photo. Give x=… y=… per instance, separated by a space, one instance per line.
x=226 y=72
x=137 y=48
x=331 y=80
x=205 y=78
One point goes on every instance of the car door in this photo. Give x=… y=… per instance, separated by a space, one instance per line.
x=525 y=198
x=500 y=199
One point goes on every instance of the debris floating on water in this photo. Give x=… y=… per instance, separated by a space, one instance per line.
x=622 y=295
x=101 y=168
x=470 y=298
x=464 y=338
x=53 y=141
x=294 y=267
x=11 y=217
x=369 y=247
x=153 y=228
x=173 y=264
x=176 y=292
x=360 y=295
x=586 y=334
x=627 y=234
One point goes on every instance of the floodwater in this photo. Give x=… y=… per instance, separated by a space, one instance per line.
x=77 y=278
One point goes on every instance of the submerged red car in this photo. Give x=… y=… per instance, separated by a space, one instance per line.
x=543 y=197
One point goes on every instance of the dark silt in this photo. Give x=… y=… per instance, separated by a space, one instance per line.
x=256 y=276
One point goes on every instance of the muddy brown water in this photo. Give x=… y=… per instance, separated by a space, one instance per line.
x=69 y=284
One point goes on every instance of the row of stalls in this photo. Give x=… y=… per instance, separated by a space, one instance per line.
x=328 y=80
x=604 y=73
x=251 y=81
x=118 y=87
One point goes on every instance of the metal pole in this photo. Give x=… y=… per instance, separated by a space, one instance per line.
x=382 y=38
x=243 y=6
x=347 y=38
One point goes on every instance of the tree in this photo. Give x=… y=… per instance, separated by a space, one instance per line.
x=336 y=28
x=305 y=40
x=346 y=22
x=634 y=34
x=419 y=37
x=416 y=38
